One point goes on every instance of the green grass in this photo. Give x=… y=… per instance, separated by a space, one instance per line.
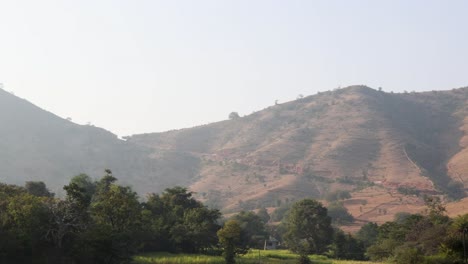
x=253 y=257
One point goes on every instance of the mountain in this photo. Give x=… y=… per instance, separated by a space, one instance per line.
x=384 y=148
x=38 y=145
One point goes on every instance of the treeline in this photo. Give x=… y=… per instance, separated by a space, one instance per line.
x=103 y=222
x=99 y=222
x=430 y=237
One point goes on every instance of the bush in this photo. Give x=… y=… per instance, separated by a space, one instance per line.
x=439 y=259
x=407 y=255
x=339 y=214
x=303 y=260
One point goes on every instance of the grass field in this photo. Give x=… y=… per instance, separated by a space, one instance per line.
x=254 y=256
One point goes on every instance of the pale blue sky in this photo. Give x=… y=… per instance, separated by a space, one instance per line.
x=145 y=66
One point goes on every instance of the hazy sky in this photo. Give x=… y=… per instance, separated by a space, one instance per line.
x=139 y=66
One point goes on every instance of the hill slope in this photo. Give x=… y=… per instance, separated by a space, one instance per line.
x=383 y=148
x=37 y=145
x=377 y=145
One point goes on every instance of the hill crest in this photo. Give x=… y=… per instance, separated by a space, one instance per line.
x=384 y=148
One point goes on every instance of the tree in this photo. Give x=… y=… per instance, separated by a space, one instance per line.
x=435 y=210
x=233 y=115
x=308 y=226
x=23 y=221
x=67 y=222
x=408 y=255
x=383 y=249
x=230 y=238
x=179 y=223
x=81 y=187
x=368 y=234
x=117 y=216
x=339 y=214
x=280 y=213
x=455 y=243
x=38 y=188
x=337 y=195
x=253 y=229
x=263 y=214
x=345 y=246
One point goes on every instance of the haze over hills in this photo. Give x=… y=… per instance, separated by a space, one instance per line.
x=382 y=147
x=38 y=145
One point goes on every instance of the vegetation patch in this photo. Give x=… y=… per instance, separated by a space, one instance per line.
x=253 y=256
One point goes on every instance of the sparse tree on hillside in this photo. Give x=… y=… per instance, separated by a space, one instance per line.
x=234 y=115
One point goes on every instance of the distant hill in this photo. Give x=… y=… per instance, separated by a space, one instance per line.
x=382 y=147
x=38 y=145
x=386 y=149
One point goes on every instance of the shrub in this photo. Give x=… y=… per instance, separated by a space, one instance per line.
x=408 y=255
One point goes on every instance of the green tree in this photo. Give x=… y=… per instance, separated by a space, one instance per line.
x=368 y=234
x=308 y=226
x=382 y=249
x=179 y=223
x=435 y=209
x=253 y=228
x=345 y=246
x=81 y=187
x=23 y=224
x=455 y=244
x=230 y=238
x=71 y=221
x=117 y=222
x=408 y=255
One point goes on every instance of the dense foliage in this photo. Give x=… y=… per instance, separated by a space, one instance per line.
x=99 y=222
x=431 y=237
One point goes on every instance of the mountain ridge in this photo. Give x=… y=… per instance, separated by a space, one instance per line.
x=381 y=147
x=356 y=135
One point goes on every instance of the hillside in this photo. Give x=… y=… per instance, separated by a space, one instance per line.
x=386 y=149
x=382 y=147
x=38 y=145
